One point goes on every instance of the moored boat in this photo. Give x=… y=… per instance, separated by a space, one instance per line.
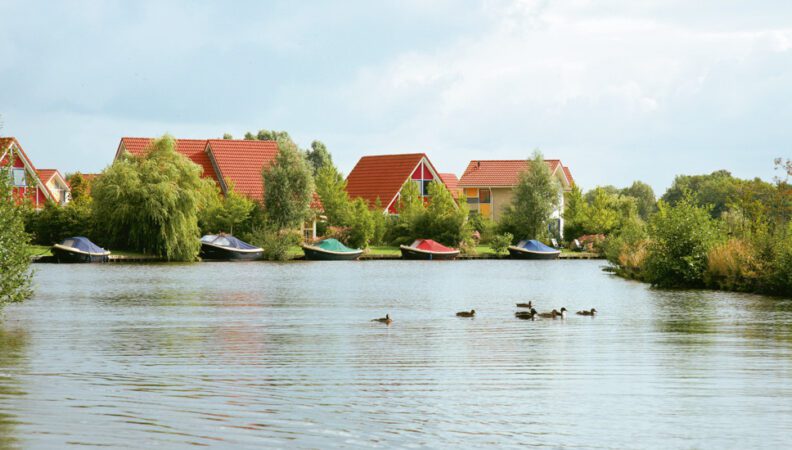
x=330 y=250
x=427 y=249
x=532 y=249
x=79 y=249
x=225 y=247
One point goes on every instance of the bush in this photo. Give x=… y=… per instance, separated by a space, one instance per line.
x=54 y=223
x=777 y=278
x=275 y=243
x=681 y=238
x=628 y=249
x=501 y=242
x=362 y=227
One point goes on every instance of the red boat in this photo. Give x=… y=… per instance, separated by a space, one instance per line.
x=427 y=249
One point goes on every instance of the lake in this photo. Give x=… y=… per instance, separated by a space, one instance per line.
x=253 y=355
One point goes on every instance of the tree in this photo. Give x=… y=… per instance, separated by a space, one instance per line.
x=79 y=186
x=331 y=188
x=645 y=197
x=288 y=188
x=362 y=226
x=574 y=213
x=228 y=136
x=224 y=213
x=15 y=274
x=150 y=203
x=318 y=156
x=717 y=189
x=682 y=236
x=443 y=220
x=535 y=198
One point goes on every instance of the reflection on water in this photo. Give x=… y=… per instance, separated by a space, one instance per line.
x=284 y=355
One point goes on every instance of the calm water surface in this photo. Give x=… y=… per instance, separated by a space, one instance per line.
x=253 y=355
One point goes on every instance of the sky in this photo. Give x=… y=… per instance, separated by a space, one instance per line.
x=618 y=90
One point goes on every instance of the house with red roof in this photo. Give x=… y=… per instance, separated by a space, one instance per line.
x=229 y=162
x=488 y=186
x=383 y=176
x=236 y=163
x=39 y=186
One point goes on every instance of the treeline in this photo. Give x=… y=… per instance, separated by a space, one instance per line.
x=713 y=231
x=159 y=204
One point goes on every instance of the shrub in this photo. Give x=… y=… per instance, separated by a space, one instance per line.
x=362 y=228
x=54 y=223
x=681 y=238
x=628 y=249
x=500 y=242
x=275 y=243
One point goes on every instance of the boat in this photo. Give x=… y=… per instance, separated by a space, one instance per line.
x=225 y=247
x=79 y=249
x=330 y=250
x=532 y=249
x=427 y=249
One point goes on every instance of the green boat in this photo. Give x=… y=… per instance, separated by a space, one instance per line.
x=330 y=250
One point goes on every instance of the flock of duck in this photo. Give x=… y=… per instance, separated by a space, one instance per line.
x=531 y=314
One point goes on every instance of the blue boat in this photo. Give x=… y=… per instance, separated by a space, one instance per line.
x=532 y=249
x=225 y=247
x=79 y=249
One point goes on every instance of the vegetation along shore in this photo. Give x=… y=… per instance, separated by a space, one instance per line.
x=707 y=231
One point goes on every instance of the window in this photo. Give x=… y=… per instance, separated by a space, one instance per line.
x=473 y=200
x=20 y=179
x=484 y=196
x=425 y=187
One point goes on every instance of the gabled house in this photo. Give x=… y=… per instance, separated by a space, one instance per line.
x=383 y=176
x=488 y=186
x=229 y=162
x=27 y=180
x=56 y=185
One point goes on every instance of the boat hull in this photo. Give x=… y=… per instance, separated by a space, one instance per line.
x=317 y=254
x=216 y=253
x=520 y=253
x=415 y=254
x=64 y=255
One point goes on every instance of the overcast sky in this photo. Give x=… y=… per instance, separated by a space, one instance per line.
x=618 y=90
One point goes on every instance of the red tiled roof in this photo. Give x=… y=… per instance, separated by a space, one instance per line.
x=381 y=176
x=500 y=172
x=569 y=175
x=46 y=174
x=241 y=163
x=451 y=181
x=191 y=148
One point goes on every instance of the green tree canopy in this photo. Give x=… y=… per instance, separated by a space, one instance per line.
x=318 y=156
x=15 y=274
x=150 y=203
x=225 y=213
x=331 y=188
x=535 y=198
x=288 y=188
x=644 y=196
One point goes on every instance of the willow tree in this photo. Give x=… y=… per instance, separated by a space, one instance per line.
x=15 y=274
x=150 y=203
x=536 y=196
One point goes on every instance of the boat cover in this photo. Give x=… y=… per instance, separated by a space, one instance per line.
x=334 y=245
x=228 y=241
x=535 y=246
x=83 y=244
x=430 y=246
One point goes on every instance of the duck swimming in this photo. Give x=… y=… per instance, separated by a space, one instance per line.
x=526 y=315
x=587 y=313
x=470 y=313
x=525 y=305
x=554 y=313
x=386 y=320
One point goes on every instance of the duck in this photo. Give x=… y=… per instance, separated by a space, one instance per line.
x=587 y=313
x=470 y=313
x=386 y=320
x=526 y=315
x=525 y=305
x=554 y=313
